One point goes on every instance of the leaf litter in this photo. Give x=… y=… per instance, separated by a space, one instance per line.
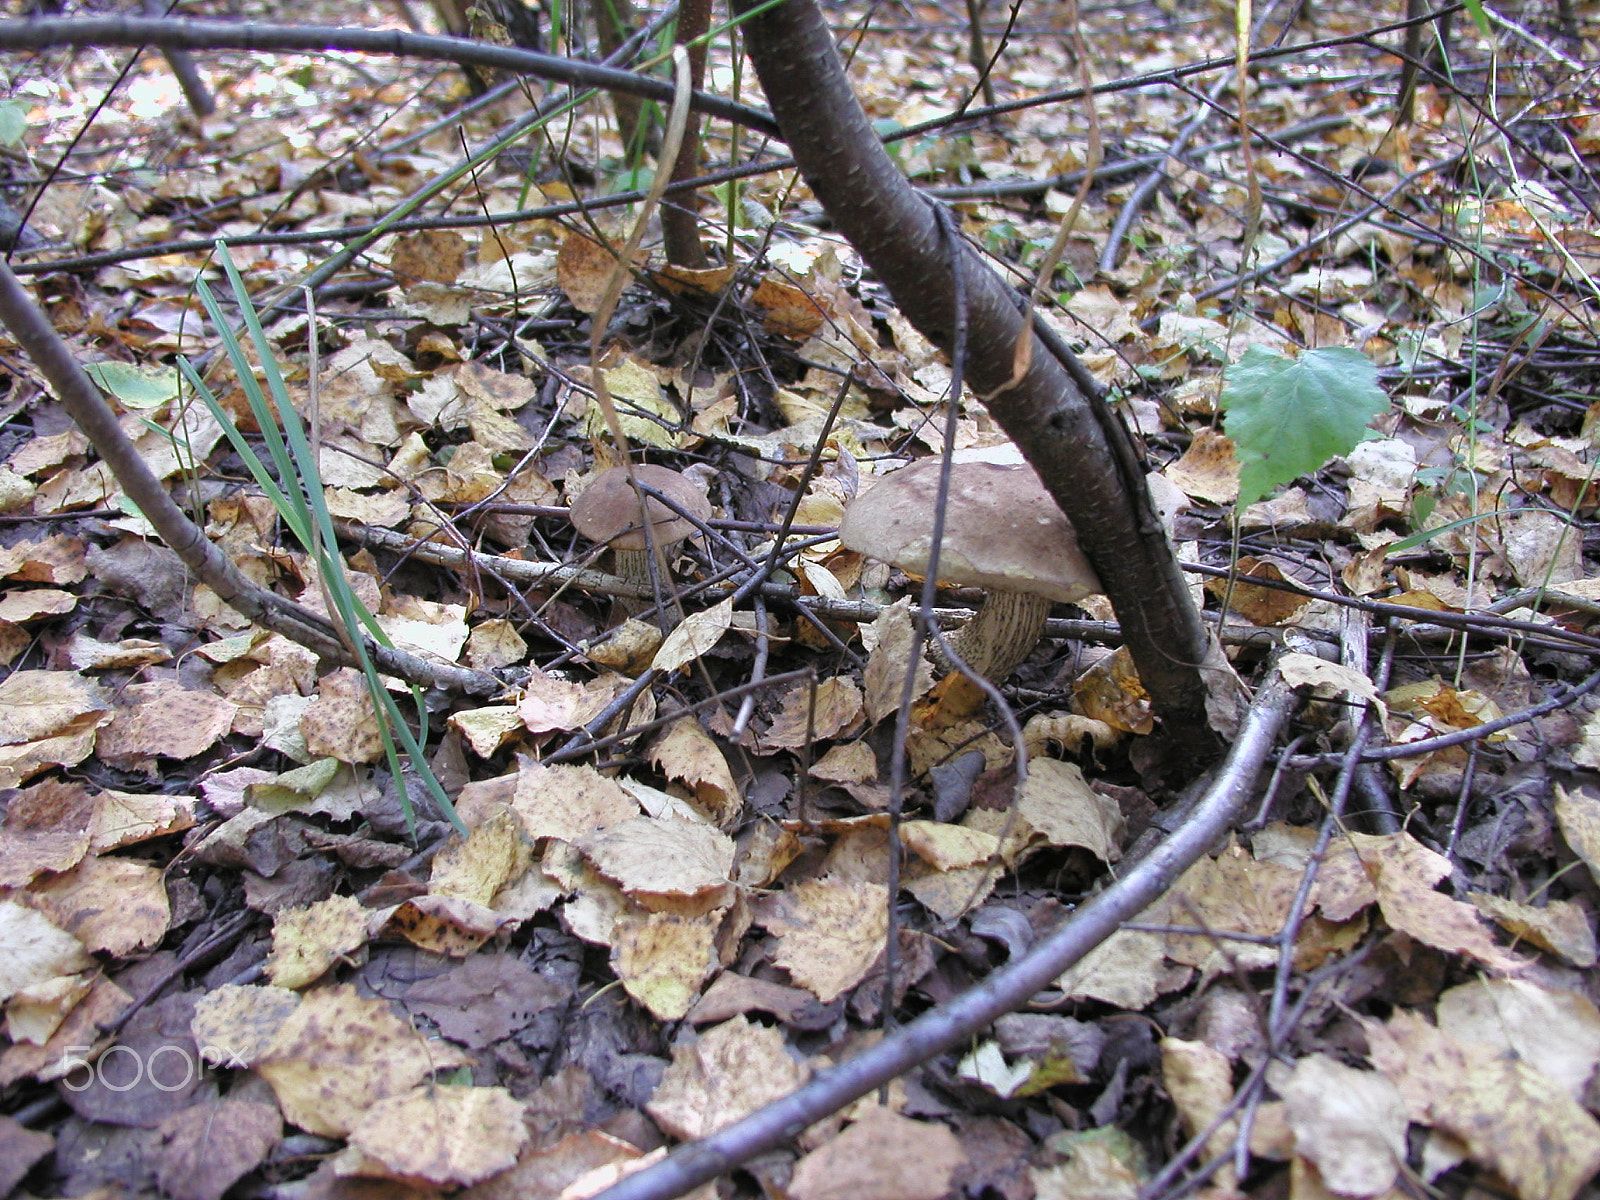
x=230 y=964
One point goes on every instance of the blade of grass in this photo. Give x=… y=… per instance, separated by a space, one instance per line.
x=303 y=509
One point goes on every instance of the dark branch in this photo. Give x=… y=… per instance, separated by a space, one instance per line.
x=222 y=35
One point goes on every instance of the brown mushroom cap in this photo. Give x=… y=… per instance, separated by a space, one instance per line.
x=608 y=510
x=1002 y=530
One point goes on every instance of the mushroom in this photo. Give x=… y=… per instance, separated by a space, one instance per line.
x=1002 y=531
x=608 y=513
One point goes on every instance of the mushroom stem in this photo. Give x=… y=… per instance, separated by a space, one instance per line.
x=634 y=566
x=1006 y=627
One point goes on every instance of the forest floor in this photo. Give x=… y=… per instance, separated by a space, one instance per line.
x=237 y=959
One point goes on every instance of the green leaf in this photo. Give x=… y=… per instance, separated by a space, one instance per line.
x=13 y=122
x=135 y=386
x=1288 y=416
x=1480 y=18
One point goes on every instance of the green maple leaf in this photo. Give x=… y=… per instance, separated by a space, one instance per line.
x=1288 y=416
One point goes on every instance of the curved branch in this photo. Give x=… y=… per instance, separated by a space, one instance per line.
x=1231 y=790
x=1082 y=452
x=223 y=35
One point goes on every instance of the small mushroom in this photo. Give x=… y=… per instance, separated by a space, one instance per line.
x=1002 y=531
x=607 y=513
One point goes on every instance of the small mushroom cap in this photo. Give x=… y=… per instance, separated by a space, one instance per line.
x=608 y=509
x=1002 y=530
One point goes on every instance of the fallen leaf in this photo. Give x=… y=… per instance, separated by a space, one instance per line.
x=208 y=1147
x=729 y=1072
x=337 y=1054
x=830 y=932
x=307 y=941
x=662 y=959
x=884 y=1156
x=649 y=856
x=1509 y=1116
x=699 y=632
x=1350 y=1123
x=1059 y=805
x=442 y=1135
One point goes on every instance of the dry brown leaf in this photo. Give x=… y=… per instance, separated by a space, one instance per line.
x=698 y=633
x=1330 y=679
x=164 y=719
x=567 y=802
x=1509 y=1116
x=627 y=648
x=790 y=311
x=685 y=752
x=1556 y=1032
x=1104 y=1164
x=544 y=1172
x=1061 y=807
x=493 y=854
x=1110 y=691
x=34 y=1013
x=442 y=924
x=846 y=762
x=235 y=1024
x=830 y=932
x=127 y=818
x=583 y=270
x=732 y=995
x=1403 y=872
x=1578 y=814
x=1231 y=893
x=442 y=1135
x=58 y=559
x=1561 y=926
x=340 y=721
x=814 y=713
x=1260 y=605
x=1350 y=1123
x=112 y=905
x=51 y=718
x=493 y=644
x=551 y=704
x=44 y=831
x=948 y=847
x=27 y=604
x=37 y=950
x=662 y=959
x=884 y=1156
x=307 y=941
x=1208 y=469
x=487 y=730
x=650 y=856
x=336 y=1055
x=732 y=1070
x=1200 y=1081
x=1129 y=969
x=207 y=1148
x=82 y=1028
x=885 y=676
x=432 y=255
